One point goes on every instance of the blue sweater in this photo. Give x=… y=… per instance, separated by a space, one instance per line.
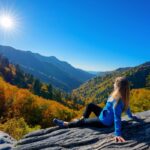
x=111 y=114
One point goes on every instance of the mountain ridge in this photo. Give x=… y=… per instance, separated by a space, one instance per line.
x=49 y=69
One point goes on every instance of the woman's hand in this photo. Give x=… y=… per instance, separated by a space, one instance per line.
x=119 y=139
x=137 y=119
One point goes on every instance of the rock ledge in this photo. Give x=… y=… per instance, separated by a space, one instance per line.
x=136 y=133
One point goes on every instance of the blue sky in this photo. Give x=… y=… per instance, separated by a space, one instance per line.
x=98 y=35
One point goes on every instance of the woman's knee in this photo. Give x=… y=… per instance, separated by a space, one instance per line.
x=90 y=105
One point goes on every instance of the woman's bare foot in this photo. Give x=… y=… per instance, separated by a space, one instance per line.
x=82 y=118
x=66 y=123
x=78 y=119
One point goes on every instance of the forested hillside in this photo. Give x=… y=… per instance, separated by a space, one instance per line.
x=98 y=89
x=48 y=69
x=21 y=110
x=16 y=76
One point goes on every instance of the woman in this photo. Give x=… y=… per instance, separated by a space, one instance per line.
x=117 y=102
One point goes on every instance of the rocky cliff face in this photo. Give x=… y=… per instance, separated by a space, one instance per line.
x=136 y=133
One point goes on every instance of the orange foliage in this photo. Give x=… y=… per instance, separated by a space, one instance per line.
x=34 y=109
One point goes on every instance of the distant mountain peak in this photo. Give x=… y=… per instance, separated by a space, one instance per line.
x=123 y=69
x=53 y=57
x=146 y=63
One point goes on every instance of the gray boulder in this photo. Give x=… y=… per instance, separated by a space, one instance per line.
x=136 y=133
x=6 y=141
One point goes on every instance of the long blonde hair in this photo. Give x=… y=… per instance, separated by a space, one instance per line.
x=121 y=91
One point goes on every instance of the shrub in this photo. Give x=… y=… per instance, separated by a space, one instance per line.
x=17 y=128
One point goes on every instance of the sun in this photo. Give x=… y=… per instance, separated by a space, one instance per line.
x=10 y=23
x=7 y=22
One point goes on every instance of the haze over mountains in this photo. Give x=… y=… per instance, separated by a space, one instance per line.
x=48 y=69
x=103 y=73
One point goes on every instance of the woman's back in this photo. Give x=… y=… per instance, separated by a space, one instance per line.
x=111 y=114
x=107 y=114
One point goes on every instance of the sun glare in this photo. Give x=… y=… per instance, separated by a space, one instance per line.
x=10 y=23
x=6 y=22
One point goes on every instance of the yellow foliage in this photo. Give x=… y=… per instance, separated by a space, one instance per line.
x=34 y=109
x=140 y=100
x=17 y=128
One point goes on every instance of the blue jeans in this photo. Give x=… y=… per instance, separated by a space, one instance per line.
x=89 y=122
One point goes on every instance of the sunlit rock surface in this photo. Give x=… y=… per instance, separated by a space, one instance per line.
x=6 y=141
x=136 y=133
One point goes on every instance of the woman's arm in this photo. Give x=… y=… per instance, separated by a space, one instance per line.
x=117 y=122
x=128 y=112
x=133 y=117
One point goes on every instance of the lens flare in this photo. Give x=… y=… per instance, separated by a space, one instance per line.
x=7 y=22
x=10 y=24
